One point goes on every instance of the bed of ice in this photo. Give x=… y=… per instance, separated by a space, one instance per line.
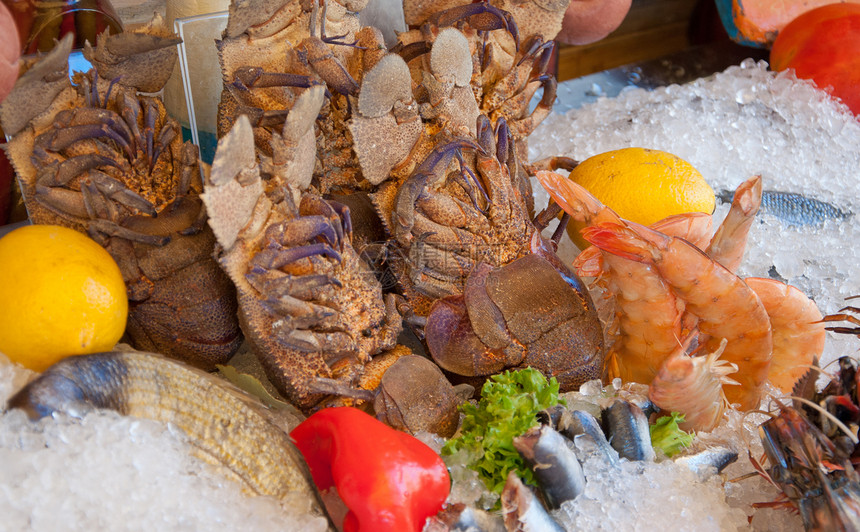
x=106 y=472
x=109 y=472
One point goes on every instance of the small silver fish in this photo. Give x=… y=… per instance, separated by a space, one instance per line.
x=461 y=518
x=794 y=209
x=523 y=511
x=557 y=471
x=628 y=431
x=581 y=427
x=708 y=462
x=551 y=416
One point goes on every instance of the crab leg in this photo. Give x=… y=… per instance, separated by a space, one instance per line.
x=293 y=232
x=338 y=213
x=262 y=118
x=449 y=260
x=463 y=179
x=412 y=50
x=121 y=193
x=278 y=283
x=150 y=116
x=429 y=280
x=165 y=137
x=59 y=174
x=98 y=206
x=253 y=77
x=62 y=201
x=403 y=217
x=304 y=313
x=189 y=170
x=94 y=115
x=60 y=139
x=276 y=256
x=130 y=110
x=99 y=227
x=519 y=76
x=334 y=343
x=482 y=17
x=320 y=57
x=491 y=169
x=525 y=126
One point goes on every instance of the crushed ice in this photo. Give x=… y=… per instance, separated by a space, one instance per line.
x=109 y=472
x=730 y=126
x=116 y=473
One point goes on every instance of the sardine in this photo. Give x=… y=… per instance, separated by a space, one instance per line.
x=557 y=471
x=794 y=209
x=708 y=462
x=584 y=430
x=226 y=426
x=627 y=428
x=461 y=518
x=522 y=510
x=551 y=416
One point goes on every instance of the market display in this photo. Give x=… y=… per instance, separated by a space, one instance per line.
x=465 y=370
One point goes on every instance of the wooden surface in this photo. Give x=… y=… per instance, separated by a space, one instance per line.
x=652 y=28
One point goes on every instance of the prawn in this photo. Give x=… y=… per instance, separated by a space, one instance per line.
x=694 y=227
x=730 y=241
x=583 y=207
x=798 y=330
x=723 y=304
x=649 y=315
x=693 y=386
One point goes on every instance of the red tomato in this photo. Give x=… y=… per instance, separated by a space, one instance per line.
x=824 y=45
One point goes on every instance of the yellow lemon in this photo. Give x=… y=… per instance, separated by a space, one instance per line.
x=61 y=294
x=642 y=186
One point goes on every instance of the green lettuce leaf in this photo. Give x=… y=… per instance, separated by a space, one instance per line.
x=507 y=408
x=667 y=436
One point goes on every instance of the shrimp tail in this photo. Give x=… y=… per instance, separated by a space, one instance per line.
x=572 y=198
x=619 y=240
x=589 y=262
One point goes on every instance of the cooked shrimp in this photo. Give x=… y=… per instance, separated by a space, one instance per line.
x=648 y=313
x=730 y=241
x=693 y=386
x=724 y=305
x=695 y=227
x=563 y=191
x=798 y=332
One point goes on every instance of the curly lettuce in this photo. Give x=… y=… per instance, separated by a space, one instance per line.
x=508 y=407
x=667 y=436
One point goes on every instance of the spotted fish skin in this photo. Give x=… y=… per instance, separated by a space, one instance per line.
x=794 y=209
x=226 y=426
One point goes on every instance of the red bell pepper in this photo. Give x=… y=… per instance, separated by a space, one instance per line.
x=389 y=480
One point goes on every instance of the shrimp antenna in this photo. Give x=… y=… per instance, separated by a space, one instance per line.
x=828 y=415
x=817 y=368
x=828 y=364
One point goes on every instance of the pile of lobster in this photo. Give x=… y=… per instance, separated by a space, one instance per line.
x=320 y=124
